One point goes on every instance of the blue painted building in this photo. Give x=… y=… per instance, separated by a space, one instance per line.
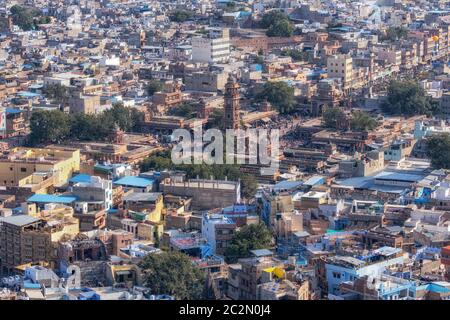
x=340 y=269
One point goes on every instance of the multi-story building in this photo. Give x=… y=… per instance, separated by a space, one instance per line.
x=340 y=66
x=218 y=231
x=94 y=190
x=248 y=273
x=206 y=81
x=445 y=260
x=213 y=48
x=340 y=269
x=23 y=239
x=206 y=194
x=15 y=122
x=150 y=204
x=389 y=54
x=85 y=104
x=20 y=166
x=362 y=165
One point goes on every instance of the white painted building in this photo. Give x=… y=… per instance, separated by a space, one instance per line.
x=212 y=49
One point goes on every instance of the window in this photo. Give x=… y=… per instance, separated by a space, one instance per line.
x=23 y=169
x=336 y=275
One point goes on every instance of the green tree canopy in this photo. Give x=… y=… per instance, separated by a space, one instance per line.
x=173 y=273
x=279 y=94
x=259 y=59
x=180 y=15
x=56 y=126
x=57 y=93
x=154 y=86
x=159 y=162
x=249 y=185
x=187 y=109
x=281 y=28
x=27 y=18
x=271 y=17
x=395 y=33
x=334 y=118
x=85 y=127
x=362 y=121
x=438 y=148
x=49 y=126
x=296 y=55
x=407 y=98
x=277 y=24
x=126 y=118
x=215 y=119
x=230 y=6
x=249 y=237
x=334 y=24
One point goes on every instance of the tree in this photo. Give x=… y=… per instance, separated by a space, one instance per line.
x=154 y=86
x=407 y=98
x=277 y=24
x=48 y=126
x=58 y=93
x=279 y=94
x=215 y=118
x=56 y=126
x=173 y=273
x=281 y=28
x=160 y=161
x=438 y=148
x=334 y=118
x=84 y=127
x=121 y=115
x=296 y=55
x=395 y=33
x=187 y=109
x=271 y=17
x=249 y=237
x=137 y=117
x=230 y=6
x=249 y=186
x=27 y=18
x=259 y=59
x=334 y=24
x=362 y=121
x=180 y=15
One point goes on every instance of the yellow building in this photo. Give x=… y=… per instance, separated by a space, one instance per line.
x=59 y=217
x=29 y=166
x=149 y=204
x=155 y=214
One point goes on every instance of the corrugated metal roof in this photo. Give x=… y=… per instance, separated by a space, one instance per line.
x=142 y=196
x=49 y=198
x=261 y=252
x=134 y=182
x=80 y=178
x=19 y=220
